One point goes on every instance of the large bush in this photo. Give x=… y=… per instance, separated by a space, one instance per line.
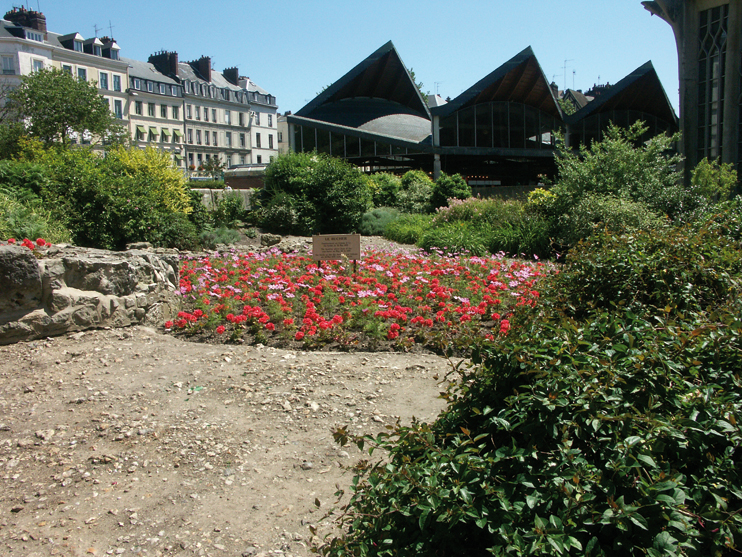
x=376 y=220
x=408 y=229
x=449 y=187
x=385 y=189
x=327 y=195
x=415 y=191
x=606 y=422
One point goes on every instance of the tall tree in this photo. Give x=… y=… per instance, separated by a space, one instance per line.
x=53 y=104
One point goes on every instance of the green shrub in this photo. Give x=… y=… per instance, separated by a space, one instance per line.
x=199 y=214
x=714 y=181
x=173 y=230
x=449 y=187
x=210 y=238
x=602 y=425
x=488 y=211
x=408 y=229
x=385 y=188
x=457 y=238
x=206 y=184
x=415 y=192
x=280 y=215
x=328 y=195
x=229 y=210
x=28 y=219
x=23 y=176
x=528 y=236
x=604 y=211
x=375 y=221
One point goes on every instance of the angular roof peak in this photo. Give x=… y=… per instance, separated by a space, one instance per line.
x=382 y=75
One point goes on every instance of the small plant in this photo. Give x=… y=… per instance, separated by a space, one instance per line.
x=211 y=238
x=408 y=229
x=375 y=221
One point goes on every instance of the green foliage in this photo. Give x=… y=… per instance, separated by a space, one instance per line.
x=319 y=193
x=226 y=236
x=25 y=217
x=408 y=229
x=449 y=187
x=21 y=175
x=213 y=166
x=173 y=230
x=456 y=238
x=206 y=184
x=53 y=104
x=10 y=138
x=714 y=181
x=415 y=192
x=229 y=210
x=617 y=166
x=607 y=422
x=385 y=188
x=375 y=221
x=603 y=211
x=199 y=215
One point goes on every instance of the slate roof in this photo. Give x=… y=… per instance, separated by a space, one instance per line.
x=145 y=70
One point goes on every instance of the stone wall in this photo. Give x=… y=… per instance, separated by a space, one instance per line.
x=58 y=289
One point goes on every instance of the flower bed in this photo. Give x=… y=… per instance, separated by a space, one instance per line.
x=394 y=300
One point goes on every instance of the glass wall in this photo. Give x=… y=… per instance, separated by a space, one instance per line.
x=592 y=128
x=344 y=146
x=711 y=64
x=499 y=124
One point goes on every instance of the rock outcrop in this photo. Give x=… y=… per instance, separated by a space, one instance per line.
x=56 y=290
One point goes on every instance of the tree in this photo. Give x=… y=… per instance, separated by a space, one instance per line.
x=53 y=105
x=449 y=187
x=213 y=166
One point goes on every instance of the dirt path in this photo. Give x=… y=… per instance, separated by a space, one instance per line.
x=130 y=442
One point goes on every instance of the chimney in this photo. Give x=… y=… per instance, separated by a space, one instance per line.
x=27 y=18
x=232 y=75
x=204 y=67
x=165 y=62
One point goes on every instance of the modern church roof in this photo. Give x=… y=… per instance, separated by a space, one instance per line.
x=520 y=79
x=378 y=96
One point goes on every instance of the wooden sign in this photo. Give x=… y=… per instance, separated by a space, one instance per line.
x=334 y=246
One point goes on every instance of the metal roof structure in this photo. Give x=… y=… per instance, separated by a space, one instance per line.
x=520 y=79
x=641 y=90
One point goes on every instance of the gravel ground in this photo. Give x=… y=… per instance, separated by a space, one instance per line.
x=131 y=442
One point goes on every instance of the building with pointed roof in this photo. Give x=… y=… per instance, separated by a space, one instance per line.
x=499 y=133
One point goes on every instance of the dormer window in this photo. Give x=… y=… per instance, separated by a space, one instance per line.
x=97 y=50
x=78 y=46
x=150 y=86
x=114 y=54
x=162 y=89
x=136 y=83
x=31 y=35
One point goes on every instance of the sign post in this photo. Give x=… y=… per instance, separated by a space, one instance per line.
x=335 y=246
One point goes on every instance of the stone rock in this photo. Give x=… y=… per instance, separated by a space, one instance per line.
x=138 y=245
x=20 y=278
x=73 y=289
x=270 y=239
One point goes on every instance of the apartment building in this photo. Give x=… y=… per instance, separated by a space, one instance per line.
x=27 y=46
x=263 y=122
x=155 y=108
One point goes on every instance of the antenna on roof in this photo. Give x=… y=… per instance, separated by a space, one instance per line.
x=565 y=72
x=110 y=29
x=573 y=78
x=96 y=29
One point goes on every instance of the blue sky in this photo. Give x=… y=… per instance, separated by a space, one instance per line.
x=294 y=48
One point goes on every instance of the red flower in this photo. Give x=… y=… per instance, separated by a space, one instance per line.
x=220 y=330
x=299 y=335
x=168 y=324
x=40 y=242
x=11 y=240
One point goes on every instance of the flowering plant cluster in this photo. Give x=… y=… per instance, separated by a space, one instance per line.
x=401 y=299
x=40 y=243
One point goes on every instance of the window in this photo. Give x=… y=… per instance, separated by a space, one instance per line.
x=175 y=113
x=163 y=89
x=117 y=83
x=173 y=90
x=206 y=114
x=78 y=46
x=270 y=120
x=35 y=36
x=227 y=117
x=270 y=141
x=242 y=159
x=38 y=65
x=198 y=113
x=206 y=137
x=242 y=140
x=189 y=115
x=9 y=66
x=198 y=137
x=150 y=86
x=190 y=159
x=103 y=83
x=214 y=138
x=136 y=83
x=257 y=140
x=65 y=68
x=260 y=159
x=228 y=138
x=163 y=111
x=114 y=54
x=190 y=137
x=118 y=109
x=280 y=137
x=213 y=114
x=241 y=119
x=82 y=74
x=138 y=107
x=200 y=159
x=257 y=118
x=151 y=109
x=97 y=50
